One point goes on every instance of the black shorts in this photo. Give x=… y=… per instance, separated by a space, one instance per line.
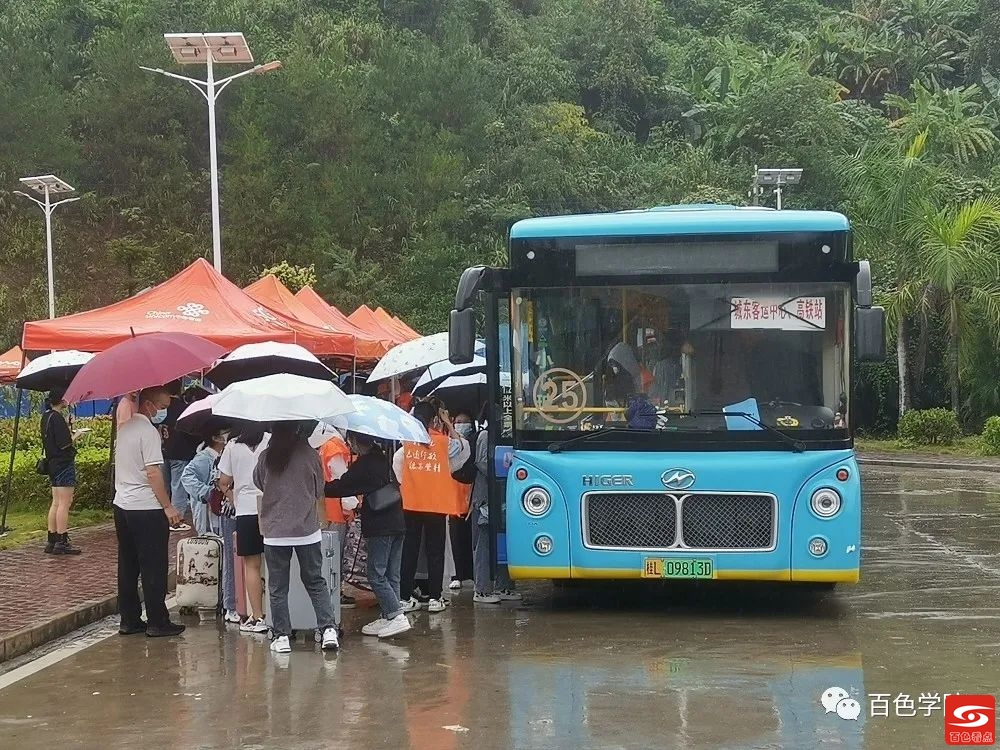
x=249 y=541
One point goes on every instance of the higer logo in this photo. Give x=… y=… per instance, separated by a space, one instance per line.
x=608 y=480
x=970 y=719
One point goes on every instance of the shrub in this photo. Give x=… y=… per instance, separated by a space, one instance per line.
x=31 y=490
x=991 y=437
x=929 y=427
x=29 y=435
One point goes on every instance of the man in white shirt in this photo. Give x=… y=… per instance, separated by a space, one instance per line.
x=143 y=516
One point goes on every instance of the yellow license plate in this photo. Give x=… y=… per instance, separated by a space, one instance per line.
x=677 y=567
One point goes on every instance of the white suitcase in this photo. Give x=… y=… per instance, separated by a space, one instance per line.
x=199 y=572
x=300 y=609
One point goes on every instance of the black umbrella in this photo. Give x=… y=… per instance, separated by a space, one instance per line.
x=268 y=358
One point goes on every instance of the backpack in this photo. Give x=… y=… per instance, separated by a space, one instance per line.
x=466 y=474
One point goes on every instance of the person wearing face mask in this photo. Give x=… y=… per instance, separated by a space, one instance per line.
x=430 y=495
x=459 y=528
x=143 y=516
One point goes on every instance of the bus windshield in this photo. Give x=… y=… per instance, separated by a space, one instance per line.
x=675 y=357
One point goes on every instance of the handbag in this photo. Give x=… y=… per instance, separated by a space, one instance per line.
x=384 y=498
x=42 y=464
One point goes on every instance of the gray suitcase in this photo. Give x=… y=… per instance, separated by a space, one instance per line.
x=199 y=572
x=300 y=607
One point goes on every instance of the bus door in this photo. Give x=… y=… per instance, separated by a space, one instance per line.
x=501 y=423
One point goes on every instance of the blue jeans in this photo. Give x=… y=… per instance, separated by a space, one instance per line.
x=279 y=568
x=172 y=471
x=385 y=557
x=228 y=528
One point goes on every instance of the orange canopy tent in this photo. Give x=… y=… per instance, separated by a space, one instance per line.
x=365 y=318
x=197 y=300
x=11 y=363
x=395 y=324
x=368 y=346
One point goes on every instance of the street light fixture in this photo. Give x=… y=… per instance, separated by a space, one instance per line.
x=227 y=48
x=48 y=185
x=776 y=178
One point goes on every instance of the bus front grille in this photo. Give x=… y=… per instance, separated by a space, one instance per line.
x=727 y=521
x=635 y=520
x=649 y=520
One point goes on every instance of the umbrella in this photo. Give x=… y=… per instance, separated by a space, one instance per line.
x=323 y=434
x=198 y=419
x=381 y=419
x=467 y=393
x=282 y=397
x=55 y=370
x=267 y=358
x=142 y=362
x=413 y=355
x=439 y=372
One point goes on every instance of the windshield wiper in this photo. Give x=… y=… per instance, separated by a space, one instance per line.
x=590 y=435
x=796 y=445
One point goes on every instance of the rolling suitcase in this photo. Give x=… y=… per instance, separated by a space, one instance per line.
x=199 y=572
x=300 y=609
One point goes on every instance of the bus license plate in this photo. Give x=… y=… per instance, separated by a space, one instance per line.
x=658 y=567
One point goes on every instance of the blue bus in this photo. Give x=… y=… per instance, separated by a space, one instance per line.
x=672 y=394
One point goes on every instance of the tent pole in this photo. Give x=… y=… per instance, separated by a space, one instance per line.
x=10 y=466
x=354 y=374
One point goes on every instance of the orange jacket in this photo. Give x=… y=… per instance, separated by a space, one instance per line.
x=427 y=484
x=333 y=449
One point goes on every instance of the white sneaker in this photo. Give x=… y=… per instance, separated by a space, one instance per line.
x=374 y=628
x=506 y=595
x=437 y=605
x=330 y=640
x=485 y=598
x=233 y=617
x=251 y=625
x=455 y=585
x=280 y=645
x=410 y=605
x=399 y=624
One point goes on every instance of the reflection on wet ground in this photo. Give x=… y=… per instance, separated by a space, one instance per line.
x=620 y=667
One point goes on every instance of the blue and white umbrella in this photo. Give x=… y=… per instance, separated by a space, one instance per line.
x=380 y=419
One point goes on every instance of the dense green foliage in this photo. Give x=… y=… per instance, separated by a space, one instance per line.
x=29 y=435
x=991 y=437
x=929 y=427
x=31 y=490
x=402 y=137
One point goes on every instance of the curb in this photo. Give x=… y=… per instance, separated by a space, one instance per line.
x=931 y=463
x=22 y=641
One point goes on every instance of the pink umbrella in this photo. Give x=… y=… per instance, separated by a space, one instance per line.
x=142 y=362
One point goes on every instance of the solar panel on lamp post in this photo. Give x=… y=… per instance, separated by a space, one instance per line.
x=227 y=48
x=48 y=185
x=776 y=177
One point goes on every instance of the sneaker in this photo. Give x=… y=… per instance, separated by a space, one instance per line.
x=410 y=605
x=232 y=617
x=347 y=602
x=250 y=625
x=507 y=595
x=280 y=645
x=399 y=624
x=455 y=585
x=168 y=630
x=330 y=640
x=374 y=628
x=485 y=598
x=132 y=629
x=181 y=527
x=437 y=605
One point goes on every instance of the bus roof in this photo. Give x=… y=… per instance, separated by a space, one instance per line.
x=680 y=220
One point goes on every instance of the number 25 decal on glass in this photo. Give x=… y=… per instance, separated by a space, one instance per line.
x=560 y=395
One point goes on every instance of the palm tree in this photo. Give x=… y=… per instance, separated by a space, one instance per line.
x=958 y=270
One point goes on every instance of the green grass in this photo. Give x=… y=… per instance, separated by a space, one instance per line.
x=28 y=524
x=969 y=447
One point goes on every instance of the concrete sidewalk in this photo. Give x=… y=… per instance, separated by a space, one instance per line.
x=43 y=597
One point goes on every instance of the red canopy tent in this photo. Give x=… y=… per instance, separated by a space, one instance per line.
x=11 y=363
x=197 y=300
x=368 y=347
x=395 y=324
x=366 y=319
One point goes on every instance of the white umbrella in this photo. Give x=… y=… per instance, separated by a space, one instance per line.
x=277 y=398
x=323 y=434
x=55 y=370
x=381 y=419
x=267 y=358
x=439 y=372
x=413 y=355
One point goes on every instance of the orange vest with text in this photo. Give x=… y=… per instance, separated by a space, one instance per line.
x=427 y=482
x=330 y=449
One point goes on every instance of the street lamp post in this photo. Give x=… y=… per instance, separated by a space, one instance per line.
x=212 y=49
x=777 y=178
x=48 y=185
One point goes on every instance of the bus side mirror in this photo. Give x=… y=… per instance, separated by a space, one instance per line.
x=869 y=334
x=462 y=336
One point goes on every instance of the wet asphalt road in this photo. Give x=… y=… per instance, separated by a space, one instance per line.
x=715 y=667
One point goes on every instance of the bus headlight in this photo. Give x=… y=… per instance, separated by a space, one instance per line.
x=536 y=502
x=826 y=503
